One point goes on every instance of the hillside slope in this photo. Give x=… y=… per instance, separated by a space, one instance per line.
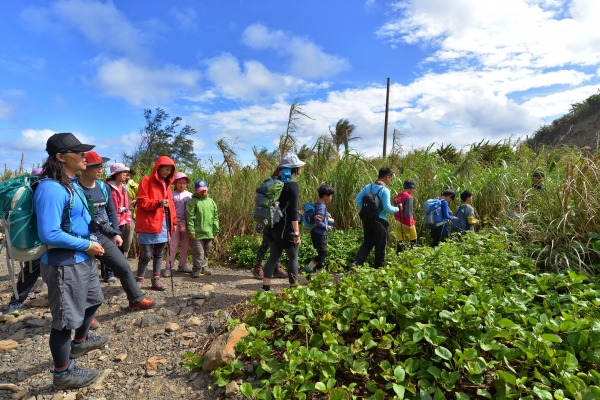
x=580 y=127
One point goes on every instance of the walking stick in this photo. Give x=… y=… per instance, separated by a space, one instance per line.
x=168 y=216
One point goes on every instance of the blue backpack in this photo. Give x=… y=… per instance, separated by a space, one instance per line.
x=308 y=215
x=432 y=212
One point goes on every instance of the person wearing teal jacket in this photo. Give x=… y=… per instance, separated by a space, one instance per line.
x=202 y=223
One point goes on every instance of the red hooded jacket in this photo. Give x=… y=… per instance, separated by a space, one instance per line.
x=401 y=215
x=152 y=189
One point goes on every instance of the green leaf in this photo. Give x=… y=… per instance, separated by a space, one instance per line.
x=349 y=313
x=399 y=374
x=430 y=334
x=484 y=393
x=277 y=392
x=542 y=394
x=443 y=352
x=339 y=394
x=506 y=323
x=321 y=387
x=507 y=377
x=246 y=389
x=435 y=371
x=571 y=362
x=360 y=367
x=399 y=390
x=461 y=396
x=550 y=337
x=316 y=340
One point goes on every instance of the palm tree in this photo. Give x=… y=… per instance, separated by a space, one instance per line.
x=343 y=134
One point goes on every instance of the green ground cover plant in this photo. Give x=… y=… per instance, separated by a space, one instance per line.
x=468 y=319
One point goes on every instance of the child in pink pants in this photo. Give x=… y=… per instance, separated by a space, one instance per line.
x=180 y=238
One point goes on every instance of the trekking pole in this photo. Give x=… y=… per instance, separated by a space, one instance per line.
x=168 y=216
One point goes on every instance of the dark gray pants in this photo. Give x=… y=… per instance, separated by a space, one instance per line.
x=275 y=255
x=116 y=261
x=201 y=252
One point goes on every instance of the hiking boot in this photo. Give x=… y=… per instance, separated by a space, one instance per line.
x=279 y=272
x=95 y=324
x=185 y=269
x=74 y=377
x=140 y=281
x=14 y=309
x=157 y=284
x=196 y=273
x=205 y=271
x=89 y=344
x=167 y=272
x=110 y=279
x=258 y=273
x=145 y=304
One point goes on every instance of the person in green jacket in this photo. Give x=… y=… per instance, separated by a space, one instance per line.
x=202 y=223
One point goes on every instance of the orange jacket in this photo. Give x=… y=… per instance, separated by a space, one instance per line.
x=152 y=189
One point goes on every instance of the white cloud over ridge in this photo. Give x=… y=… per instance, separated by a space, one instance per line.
x=141 y=85
x=307 y=60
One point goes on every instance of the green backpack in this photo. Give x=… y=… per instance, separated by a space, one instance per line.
x=266 y=207
x=19 y=223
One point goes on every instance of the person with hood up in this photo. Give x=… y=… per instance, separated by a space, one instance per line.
x=154 y=204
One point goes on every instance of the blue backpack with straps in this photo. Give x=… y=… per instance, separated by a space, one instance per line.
x=432 y=212
x=308 y=215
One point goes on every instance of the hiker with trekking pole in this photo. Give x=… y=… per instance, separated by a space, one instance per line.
x=108 y=233
x=155 y=220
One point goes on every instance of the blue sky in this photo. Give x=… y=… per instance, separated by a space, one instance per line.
x=461 y=70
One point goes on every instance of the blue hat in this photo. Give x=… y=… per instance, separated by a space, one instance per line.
x=201 y=185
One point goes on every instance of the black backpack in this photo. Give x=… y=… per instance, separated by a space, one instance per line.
x=371 y=205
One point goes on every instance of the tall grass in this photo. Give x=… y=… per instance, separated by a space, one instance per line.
x=554 y=221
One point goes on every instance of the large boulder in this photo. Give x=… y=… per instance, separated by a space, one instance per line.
x=222 y=350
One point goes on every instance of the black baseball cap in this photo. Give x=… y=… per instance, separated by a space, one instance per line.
x=63 y=142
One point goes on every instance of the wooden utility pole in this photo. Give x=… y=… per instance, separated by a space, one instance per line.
x=387 y=108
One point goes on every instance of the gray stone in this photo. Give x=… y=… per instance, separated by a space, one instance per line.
x=186 y=311
x=200 y=295
x=194 y=321
x=214 y=326
x=48 y=317
x=122 y=325
x=151 y=373
x=36 y=322
x=192 y=376
x=21 y=376
x=169 y=311
x=250 y=379
x=199 y=303
x=148 y=321
x=172 y=327
x=231 y=389
x=248 y=368
x=19 y=335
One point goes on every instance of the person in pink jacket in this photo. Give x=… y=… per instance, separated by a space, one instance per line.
x=117 y=181
x=180 y=238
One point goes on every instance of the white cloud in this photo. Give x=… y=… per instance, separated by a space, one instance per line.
x=141 y=85
x=100 y=22
x=558 y=103
x=252 y=82
x=507 y=33
x=307 y=60
x=186 y=18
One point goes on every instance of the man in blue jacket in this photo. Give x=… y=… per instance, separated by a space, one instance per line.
x=68 y=267
x=375 y=230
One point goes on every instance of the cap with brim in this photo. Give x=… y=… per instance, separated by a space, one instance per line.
x=92 y=158
x=181 y=175
x=118 y=167
x=201 y=185
x=64 y=142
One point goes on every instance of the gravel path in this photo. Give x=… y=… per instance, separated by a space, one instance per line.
x=150 y=369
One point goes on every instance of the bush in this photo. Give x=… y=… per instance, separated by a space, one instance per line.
x=464 y=320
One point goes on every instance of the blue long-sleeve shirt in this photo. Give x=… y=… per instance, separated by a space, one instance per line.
x=446 y=211
x=321 y=226
x=50 y=199
x=384 y=196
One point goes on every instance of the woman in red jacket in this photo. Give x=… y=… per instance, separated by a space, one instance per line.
x=154 y=197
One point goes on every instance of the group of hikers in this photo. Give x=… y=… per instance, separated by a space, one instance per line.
x=82 y=218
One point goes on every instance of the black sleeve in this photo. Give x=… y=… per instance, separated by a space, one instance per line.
x=293 y=195
x=110 y=210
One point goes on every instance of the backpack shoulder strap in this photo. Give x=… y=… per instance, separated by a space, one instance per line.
x=103 y=188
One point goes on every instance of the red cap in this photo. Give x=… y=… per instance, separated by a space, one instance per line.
x=92 y=158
